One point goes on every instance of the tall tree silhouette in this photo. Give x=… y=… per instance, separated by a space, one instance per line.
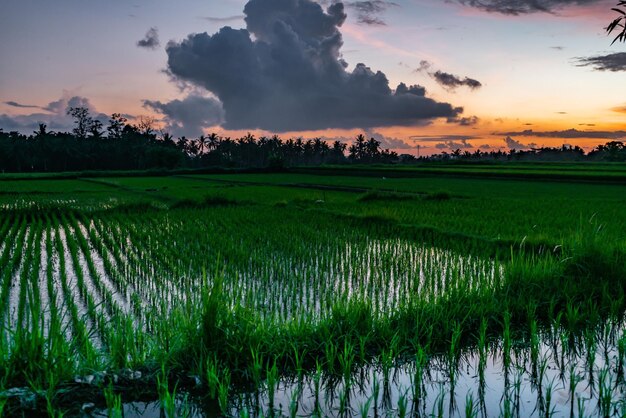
x=116 y=125
x=82 y=120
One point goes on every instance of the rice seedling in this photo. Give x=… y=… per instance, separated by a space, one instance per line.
x=167 y=398
x=113 y=403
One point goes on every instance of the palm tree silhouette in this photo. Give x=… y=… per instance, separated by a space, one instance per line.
x=202 y=144
x=619 y=22
x=212 y=141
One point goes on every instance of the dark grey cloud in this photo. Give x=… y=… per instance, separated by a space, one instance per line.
x=465 y=121
x=611 y=62
x=517 y=145
x=189 y=116
x=521 y=7
x=442 y=138
x=454 y=145
x=55 y=116
x=285 y=72
x=447 y=80
x=568 y=133
x=368 y=12
x=151 y=40
x=424 y=66
x=451 y=81
x=226 y=19
x=20 y=105
x=485 y=146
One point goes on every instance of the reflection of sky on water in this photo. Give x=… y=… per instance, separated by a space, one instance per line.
x=518 y=390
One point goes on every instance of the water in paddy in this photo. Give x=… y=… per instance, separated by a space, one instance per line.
x=281 y=283
x=561 y=377
x=133 y=279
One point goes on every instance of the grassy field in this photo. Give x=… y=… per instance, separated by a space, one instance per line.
x=310 y=294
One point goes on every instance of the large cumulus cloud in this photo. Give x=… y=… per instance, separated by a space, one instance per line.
x=284 y=72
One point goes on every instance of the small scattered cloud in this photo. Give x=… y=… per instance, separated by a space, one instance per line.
x=386 y=141
x=619 y=109
x=20 y=105
x=447 y=80
x=517 y=145
x=485 y=146
x=189 y=116
x=557 y=48
x=61 y=106
x=451 y=81
x=568 y=133
x=612 y=62
x=423 y=67
x=368 y=12
x=454 y=145
x=222 y=20
x=442 y=138
x=54 y=115
x=522 y=7
x=150 y=40
x=464 y=121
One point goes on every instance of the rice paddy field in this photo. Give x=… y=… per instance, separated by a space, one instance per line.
x=316 y=293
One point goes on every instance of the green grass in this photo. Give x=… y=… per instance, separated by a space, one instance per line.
x=586 y=172
x=512 y=210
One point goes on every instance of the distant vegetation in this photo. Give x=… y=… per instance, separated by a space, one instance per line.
x=125 y=146
x=611 y=151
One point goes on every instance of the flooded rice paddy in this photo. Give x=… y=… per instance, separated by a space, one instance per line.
x=118 y=292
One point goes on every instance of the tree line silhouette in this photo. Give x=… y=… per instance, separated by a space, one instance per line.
x=612 y=151
x=125 y=146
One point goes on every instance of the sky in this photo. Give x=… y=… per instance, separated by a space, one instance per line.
x=421 y=76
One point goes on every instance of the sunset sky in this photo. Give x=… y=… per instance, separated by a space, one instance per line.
x=545 y=66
